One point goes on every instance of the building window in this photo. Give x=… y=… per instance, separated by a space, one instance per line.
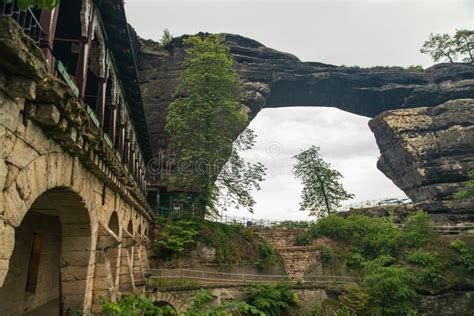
x=34 y=263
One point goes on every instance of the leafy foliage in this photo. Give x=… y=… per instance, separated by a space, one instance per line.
x=418 y=229
x=445 y=46
x=468 y=192
x=354 y=299
x=389 y=287
x=370 y=236
x=166 y=38
x=467 y=255
x=238 y=178
x=421 y=257
x=327 y=253
x=176 y=235
x=203 y=304
x=322 y=190
x=268 y=255
x=203 y=121
x=272 y=300
x=133 y=305
x=41 y=4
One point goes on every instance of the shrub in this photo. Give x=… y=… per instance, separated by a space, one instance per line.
x=354 y=299
x=176 y=235
x=467 y=255
x=272 y=300
x=303 y=239
x=327 y=253
x=133 y=305
x=370 y=236
x=418 y=229
x=343 y=312
x=390 y=287
x=420 y=257
x=268 y=255
x=430 y=275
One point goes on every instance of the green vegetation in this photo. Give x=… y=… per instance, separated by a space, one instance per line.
x=262 y=300
x=418 y=229
x=234 y=244
x=268 y=255
x=394 y=264
x=176 y=235
x=322 y=190
x=135 y=305
x=466 y=253
x=203 y=122
x=447 y=47
x=468 y=192
x=166 y=38
x=41 y=4
x=272 y=300
x=354 y=299
x=390 y=287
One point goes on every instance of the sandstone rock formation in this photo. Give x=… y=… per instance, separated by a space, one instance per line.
x=427 y=151
x=276 y=79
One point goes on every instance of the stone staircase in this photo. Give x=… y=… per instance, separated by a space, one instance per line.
x=297 y=259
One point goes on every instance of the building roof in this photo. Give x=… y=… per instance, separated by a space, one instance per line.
x=113 y=16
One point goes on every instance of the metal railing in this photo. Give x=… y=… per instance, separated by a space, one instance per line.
x=26 y=18
x=211 y=277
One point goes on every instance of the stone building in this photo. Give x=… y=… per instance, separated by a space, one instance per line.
x=74 y=221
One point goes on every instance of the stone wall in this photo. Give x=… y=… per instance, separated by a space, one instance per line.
x=52 y=165
x=296 y=259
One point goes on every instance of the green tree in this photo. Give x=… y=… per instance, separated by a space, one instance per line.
x=464 y=40
x=204 y=120
x=239 y=178
x=468 y=191
x=389 y=287
x=270 y=299
x=439 y=47
x=418 y=229
x=166 y=38
x=41 y=4
x=354 y=299
x=322 y=190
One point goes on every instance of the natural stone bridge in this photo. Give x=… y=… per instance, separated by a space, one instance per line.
x=425 y=142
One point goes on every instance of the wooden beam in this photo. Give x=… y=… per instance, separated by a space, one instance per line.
x=83 y=60
x=48 y=22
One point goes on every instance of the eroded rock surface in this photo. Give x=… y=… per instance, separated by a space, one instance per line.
x=276 y=79
x=428 y=151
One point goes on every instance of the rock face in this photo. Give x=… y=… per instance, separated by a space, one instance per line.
x=427 y=151
x=276 y=79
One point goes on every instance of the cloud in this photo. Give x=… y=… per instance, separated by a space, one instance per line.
x=345 y=140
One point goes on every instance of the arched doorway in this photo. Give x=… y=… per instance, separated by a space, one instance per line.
x=49 y=267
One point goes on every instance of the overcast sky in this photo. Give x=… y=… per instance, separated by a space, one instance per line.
x=364 y=33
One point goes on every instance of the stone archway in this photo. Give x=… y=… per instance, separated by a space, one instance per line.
x=47 y=187
x=51 y=260
x=164 y=298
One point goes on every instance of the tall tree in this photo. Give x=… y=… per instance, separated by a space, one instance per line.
x=440 y=46
x=464 y=40
x=204 y=120
x=322 y=190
